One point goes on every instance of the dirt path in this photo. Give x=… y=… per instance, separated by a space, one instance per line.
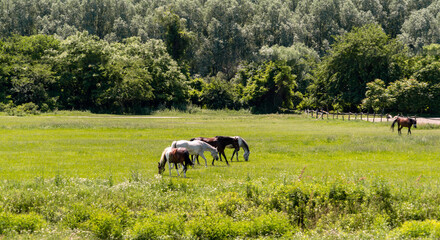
x=420 y=120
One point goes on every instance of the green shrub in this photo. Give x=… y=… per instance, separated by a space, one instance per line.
x=25 y=201
x=418 y=229
x=20 y=222
x=105 y=225
x=230 y=203
x=155 y=226
x=216 y=226
x=273 y=224
x=78 y=215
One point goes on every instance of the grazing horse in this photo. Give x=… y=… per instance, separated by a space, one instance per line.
x=197 y=148
x=220 y=142
x=175 y=156
x=404 y=122
x=241 y=144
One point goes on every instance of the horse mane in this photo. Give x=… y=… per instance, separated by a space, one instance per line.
x=163 y=158
x=245 y=144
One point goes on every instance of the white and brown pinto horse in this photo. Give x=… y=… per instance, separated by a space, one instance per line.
x=175 y=156
x=404 y=122
x=241 y=144
x=197 y=148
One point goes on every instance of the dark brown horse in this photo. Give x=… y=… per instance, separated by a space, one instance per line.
x=220 y=142
x=404 y=122
x=175 y=156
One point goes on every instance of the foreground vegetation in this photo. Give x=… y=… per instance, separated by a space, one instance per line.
x=95 y=176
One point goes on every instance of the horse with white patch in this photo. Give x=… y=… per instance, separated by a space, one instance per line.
x=175 y=156
x=196 y=147
x=242 y=144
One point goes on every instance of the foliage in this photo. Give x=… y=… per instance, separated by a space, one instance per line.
x=376 y=96
x=410 y=95
x=137 y=56
x=20 y=222
x=270 y=89
x=357 y=58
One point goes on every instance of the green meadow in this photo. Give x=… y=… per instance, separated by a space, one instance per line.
x=82 y=176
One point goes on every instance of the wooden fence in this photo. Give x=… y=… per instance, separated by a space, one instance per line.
x=320 y=114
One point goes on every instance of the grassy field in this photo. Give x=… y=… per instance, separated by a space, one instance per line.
x=79 y=175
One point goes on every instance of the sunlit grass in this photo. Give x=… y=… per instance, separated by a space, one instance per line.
x=76 y=172
x=96 y=146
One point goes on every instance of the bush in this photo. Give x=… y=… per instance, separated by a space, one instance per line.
x=77 y=216
x=154 y=226
x=214 y=226
x=20 y=222
x=273 y=224
x=105 y=225
x=418 y=229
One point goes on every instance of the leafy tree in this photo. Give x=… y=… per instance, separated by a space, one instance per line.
x=271 y=89
x=421 y=28
x=298 y=57
x=25 y=73
x=217 y=94
x=80 y=64
x=357 y=58
x=377 y=96
x=177 y=39
x=426 y=67
x=410 y=96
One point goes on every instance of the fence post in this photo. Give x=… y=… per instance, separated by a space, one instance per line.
x=374 y=116
x=349 y=113
x=367 y=117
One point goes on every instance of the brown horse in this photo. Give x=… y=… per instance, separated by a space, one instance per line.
x=220 y=142
x=175 y=156
x=404 y=122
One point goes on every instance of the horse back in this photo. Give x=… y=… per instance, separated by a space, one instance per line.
x=224 y=141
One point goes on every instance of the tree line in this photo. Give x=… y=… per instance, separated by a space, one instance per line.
x=132 y=56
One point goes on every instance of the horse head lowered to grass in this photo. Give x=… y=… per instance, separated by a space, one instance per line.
x=175 y=156
x=241 y=144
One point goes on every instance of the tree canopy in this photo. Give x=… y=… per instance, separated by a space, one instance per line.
x=131 y=56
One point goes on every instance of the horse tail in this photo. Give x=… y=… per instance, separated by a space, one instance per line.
x=187 y=159
x=392 y=125
x=174 y=144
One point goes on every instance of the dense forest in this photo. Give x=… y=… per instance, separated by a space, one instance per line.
x=134 y=56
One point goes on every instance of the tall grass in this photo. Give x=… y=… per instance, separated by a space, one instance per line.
x=95 y=176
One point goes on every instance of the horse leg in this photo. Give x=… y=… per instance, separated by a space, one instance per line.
x=409 y=131
x=177 y=169
x=169 y=165
x=223 y=152
x=399 y=130
x=233 y=155
x=206 y=161
x=184 y=170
